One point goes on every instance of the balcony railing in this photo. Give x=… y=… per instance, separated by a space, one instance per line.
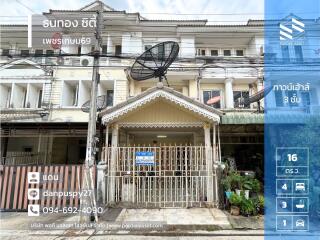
x=23 y=158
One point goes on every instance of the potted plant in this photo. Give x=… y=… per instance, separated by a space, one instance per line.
x=247 y=186
x=260 y=201
x=226 y=183
x=247 y=207
x=235 y=201
x=236 y=182
x=256 y=186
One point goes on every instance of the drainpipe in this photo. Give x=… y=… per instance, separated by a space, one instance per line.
x=199 y=77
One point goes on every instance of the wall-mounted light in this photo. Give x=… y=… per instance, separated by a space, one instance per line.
x=161 y=136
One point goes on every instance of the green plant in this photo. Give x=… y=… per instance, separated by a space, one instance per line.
x=235 y=180
x=235 y=200
x=226 y=183
x=247 y=183
x=260 y=203
x=256 y=185
x=247 y=207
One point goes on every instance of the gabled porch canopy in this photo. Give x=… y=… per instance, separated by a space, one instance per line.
x=166 y=111
x=165 y=98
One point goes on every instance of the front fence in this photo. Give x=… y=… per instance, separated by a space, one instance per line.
x=181 y=176
x=14 y=186
x=161 y=192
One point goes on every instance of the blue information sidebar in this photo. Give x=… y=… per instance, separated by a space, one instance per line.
x=292 y=119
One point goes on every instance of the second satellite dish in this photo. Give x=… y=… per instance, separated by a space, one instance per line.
x=155 y=61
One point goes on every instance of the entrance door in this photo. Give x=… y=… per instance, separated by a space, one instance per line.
x=162 y=177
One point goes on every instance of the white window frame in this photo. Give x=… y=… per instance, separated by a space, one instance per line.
x=221 y=90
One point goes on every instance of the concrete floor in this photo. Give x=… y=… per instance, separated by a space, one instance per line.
x=183 y=222
x=191 y=216
x=134 y=237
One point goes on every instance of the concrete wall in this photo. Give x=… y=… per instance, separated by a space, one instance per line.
x=255 y=46
x=33 y=92
x=18 y=95
x=132 y=43
x=4 y=95
x=121 y=91
x=187 y=47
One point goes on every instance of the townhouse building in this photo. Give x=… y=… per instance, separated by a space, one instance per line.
x=42 y=93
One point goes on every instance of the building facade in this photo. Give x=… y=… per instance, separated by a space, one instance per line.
x=43 y=89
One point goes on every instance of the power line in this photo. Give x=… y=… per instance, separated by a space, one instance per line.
x=25 y=6
x=236 y=65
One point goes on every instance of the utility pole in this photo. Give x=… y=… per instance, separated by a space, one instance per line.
x=89 y=202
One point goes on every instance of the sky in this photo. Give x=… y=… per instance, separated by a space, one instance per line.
x=216 y=11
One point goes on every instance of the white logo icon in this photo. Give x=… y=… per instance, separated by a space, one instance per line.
x=300 y=187
x=33 y=194
x=33 y=177
x=300 y=205
x=299 y=223
x=33 y=210
x=287 y=32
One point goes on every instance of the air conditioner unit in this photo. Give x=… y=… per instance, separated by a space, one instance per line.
x=86 y=61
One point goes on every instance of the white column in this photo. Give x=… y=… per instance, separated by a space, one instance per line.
x=185 y=91
x=107 y=138
x=209 y=163
x=131 y=88
x=113 y=161
x=229 y=93
x=109 y=45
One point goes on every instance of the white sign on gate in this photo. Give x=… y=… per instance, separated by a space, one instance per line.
x=145 y=158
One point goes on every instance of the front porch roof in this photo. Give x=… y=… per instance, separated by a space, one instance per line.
x=160 y=92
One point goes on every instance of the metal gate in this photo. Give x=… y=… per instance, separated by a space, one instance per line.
x=179 y=177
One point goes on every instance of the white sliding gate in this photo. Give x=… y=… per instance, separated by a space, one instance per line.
x=179 y=176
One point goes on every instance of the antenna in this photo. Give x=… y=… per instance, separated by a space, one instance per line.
x=155 y=61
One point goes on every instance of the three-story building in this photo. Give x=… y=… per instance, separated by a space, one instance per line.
x=201 y=116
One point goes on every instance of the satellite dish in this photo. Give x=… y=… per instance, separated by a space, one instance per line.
x=101 y=104
x=258 y=96
x=155 y=61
